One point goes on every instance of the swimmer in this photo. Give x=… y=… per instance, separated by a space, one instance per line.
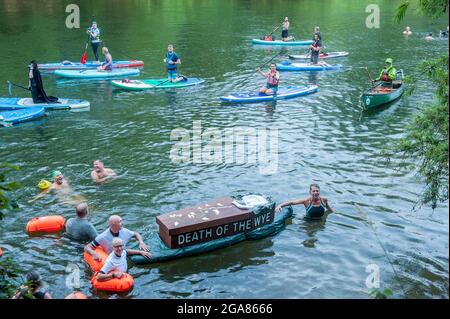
x=315 y=205
x=429 y=36
x=59 y=184
x=407 y=31
x=100 y=174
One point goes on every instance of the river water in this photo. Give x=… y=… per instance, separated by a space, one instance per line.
x=322 y=138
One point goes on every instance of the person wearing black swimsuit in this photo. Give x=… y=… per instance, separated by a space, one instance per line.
x=315 y=205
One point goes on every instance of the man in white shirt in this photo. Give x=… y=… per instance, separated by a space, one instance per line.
x=116 y=263
x=115 y=230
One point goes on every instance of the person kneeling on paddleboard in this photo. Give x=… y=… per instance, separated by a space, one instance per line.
x=172 y=61
x=36 y=86
x=387 y=75
x=273 y=79
x=108 y=64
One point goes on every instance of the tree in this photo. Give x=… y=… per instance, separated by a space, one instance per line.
x=8 y=269
x=6 y=203
x=426 y=139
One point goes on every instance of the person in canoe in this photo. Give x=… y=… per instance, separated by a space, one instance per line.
x=273 y=79
x=94 y=38
x=285 y=29
x=316 y=205
x=407 y=31
x=36 y=86
x=108 y=64
x=172 y=61
x=387 y=75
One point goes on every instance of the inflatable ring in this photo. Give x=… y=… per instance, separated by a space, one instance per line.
x=46 y=224
x=123 y=284
x=93 y=264
x=1 y=252
x=44 y=184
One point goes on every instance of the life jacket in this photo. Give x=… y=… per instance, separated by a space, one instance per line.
x=268 y=38
x=385 y=75
x=271 y=80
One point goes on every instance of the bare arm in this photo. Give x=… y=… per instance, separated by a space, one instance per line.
x=105 y=277
x=261 y=72
x=142 y=245
x=290 y=203
x=131 y=252
x=90 y=251
x=327 y=204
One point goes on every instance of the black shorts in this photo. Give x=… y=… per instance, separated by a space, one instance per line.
x=284 y=33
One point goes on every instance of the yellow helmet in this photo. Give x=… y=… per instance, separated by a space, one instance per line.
x=44 y=184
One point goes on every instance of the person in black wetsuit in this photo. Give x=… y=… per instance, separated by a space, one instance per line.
x=315 y=205
x=32 y=288
x=37 y=87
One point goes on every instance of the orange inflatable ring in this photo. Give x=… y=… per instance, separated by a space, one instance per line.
x=122 y=284
x=46 y=224
x=96 y=265
x=1 y=252
x=76 y=295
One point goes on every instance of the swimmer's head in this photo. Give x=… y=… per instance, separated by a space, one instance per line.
x=57 y=176
x=314 y=190
x=98 y=166
x=82 y=210
x=115 y=223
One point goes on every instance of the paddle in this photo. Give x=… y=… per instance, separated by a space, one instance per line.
x=10 y=84
x=84 y=56
x=370 y=78
x=270 y=60
x=274 y=30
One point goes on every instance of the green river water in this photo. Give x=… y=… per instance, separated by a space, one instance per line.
x=322 y=138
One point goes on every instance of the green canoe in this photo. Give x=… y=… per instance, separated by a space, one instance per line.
x=382 y=94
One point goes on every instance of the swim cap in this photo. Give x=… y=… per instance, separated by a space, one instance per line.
x=44 y=184
x=56 y=173
x=389 y=60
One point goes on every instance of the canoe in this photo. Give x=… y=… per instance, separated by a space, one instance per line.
x=282 y=94
x=321 y=55
x=160 y=252
x=16 y=103
x=138 y=85
x=95 y=74
x=279 y=42
x=68 y=65
x=380 y=95
x=19 y=116
x=288 y=66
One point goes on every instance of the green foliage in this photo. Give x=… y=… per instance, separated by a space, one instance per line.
x=8 y=278
x=6 y=186
x=430 y=8
x=426 y=140
x=376 y=294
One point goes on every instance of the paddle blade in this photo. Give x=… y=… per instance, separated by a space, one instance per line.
x=83 y=58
